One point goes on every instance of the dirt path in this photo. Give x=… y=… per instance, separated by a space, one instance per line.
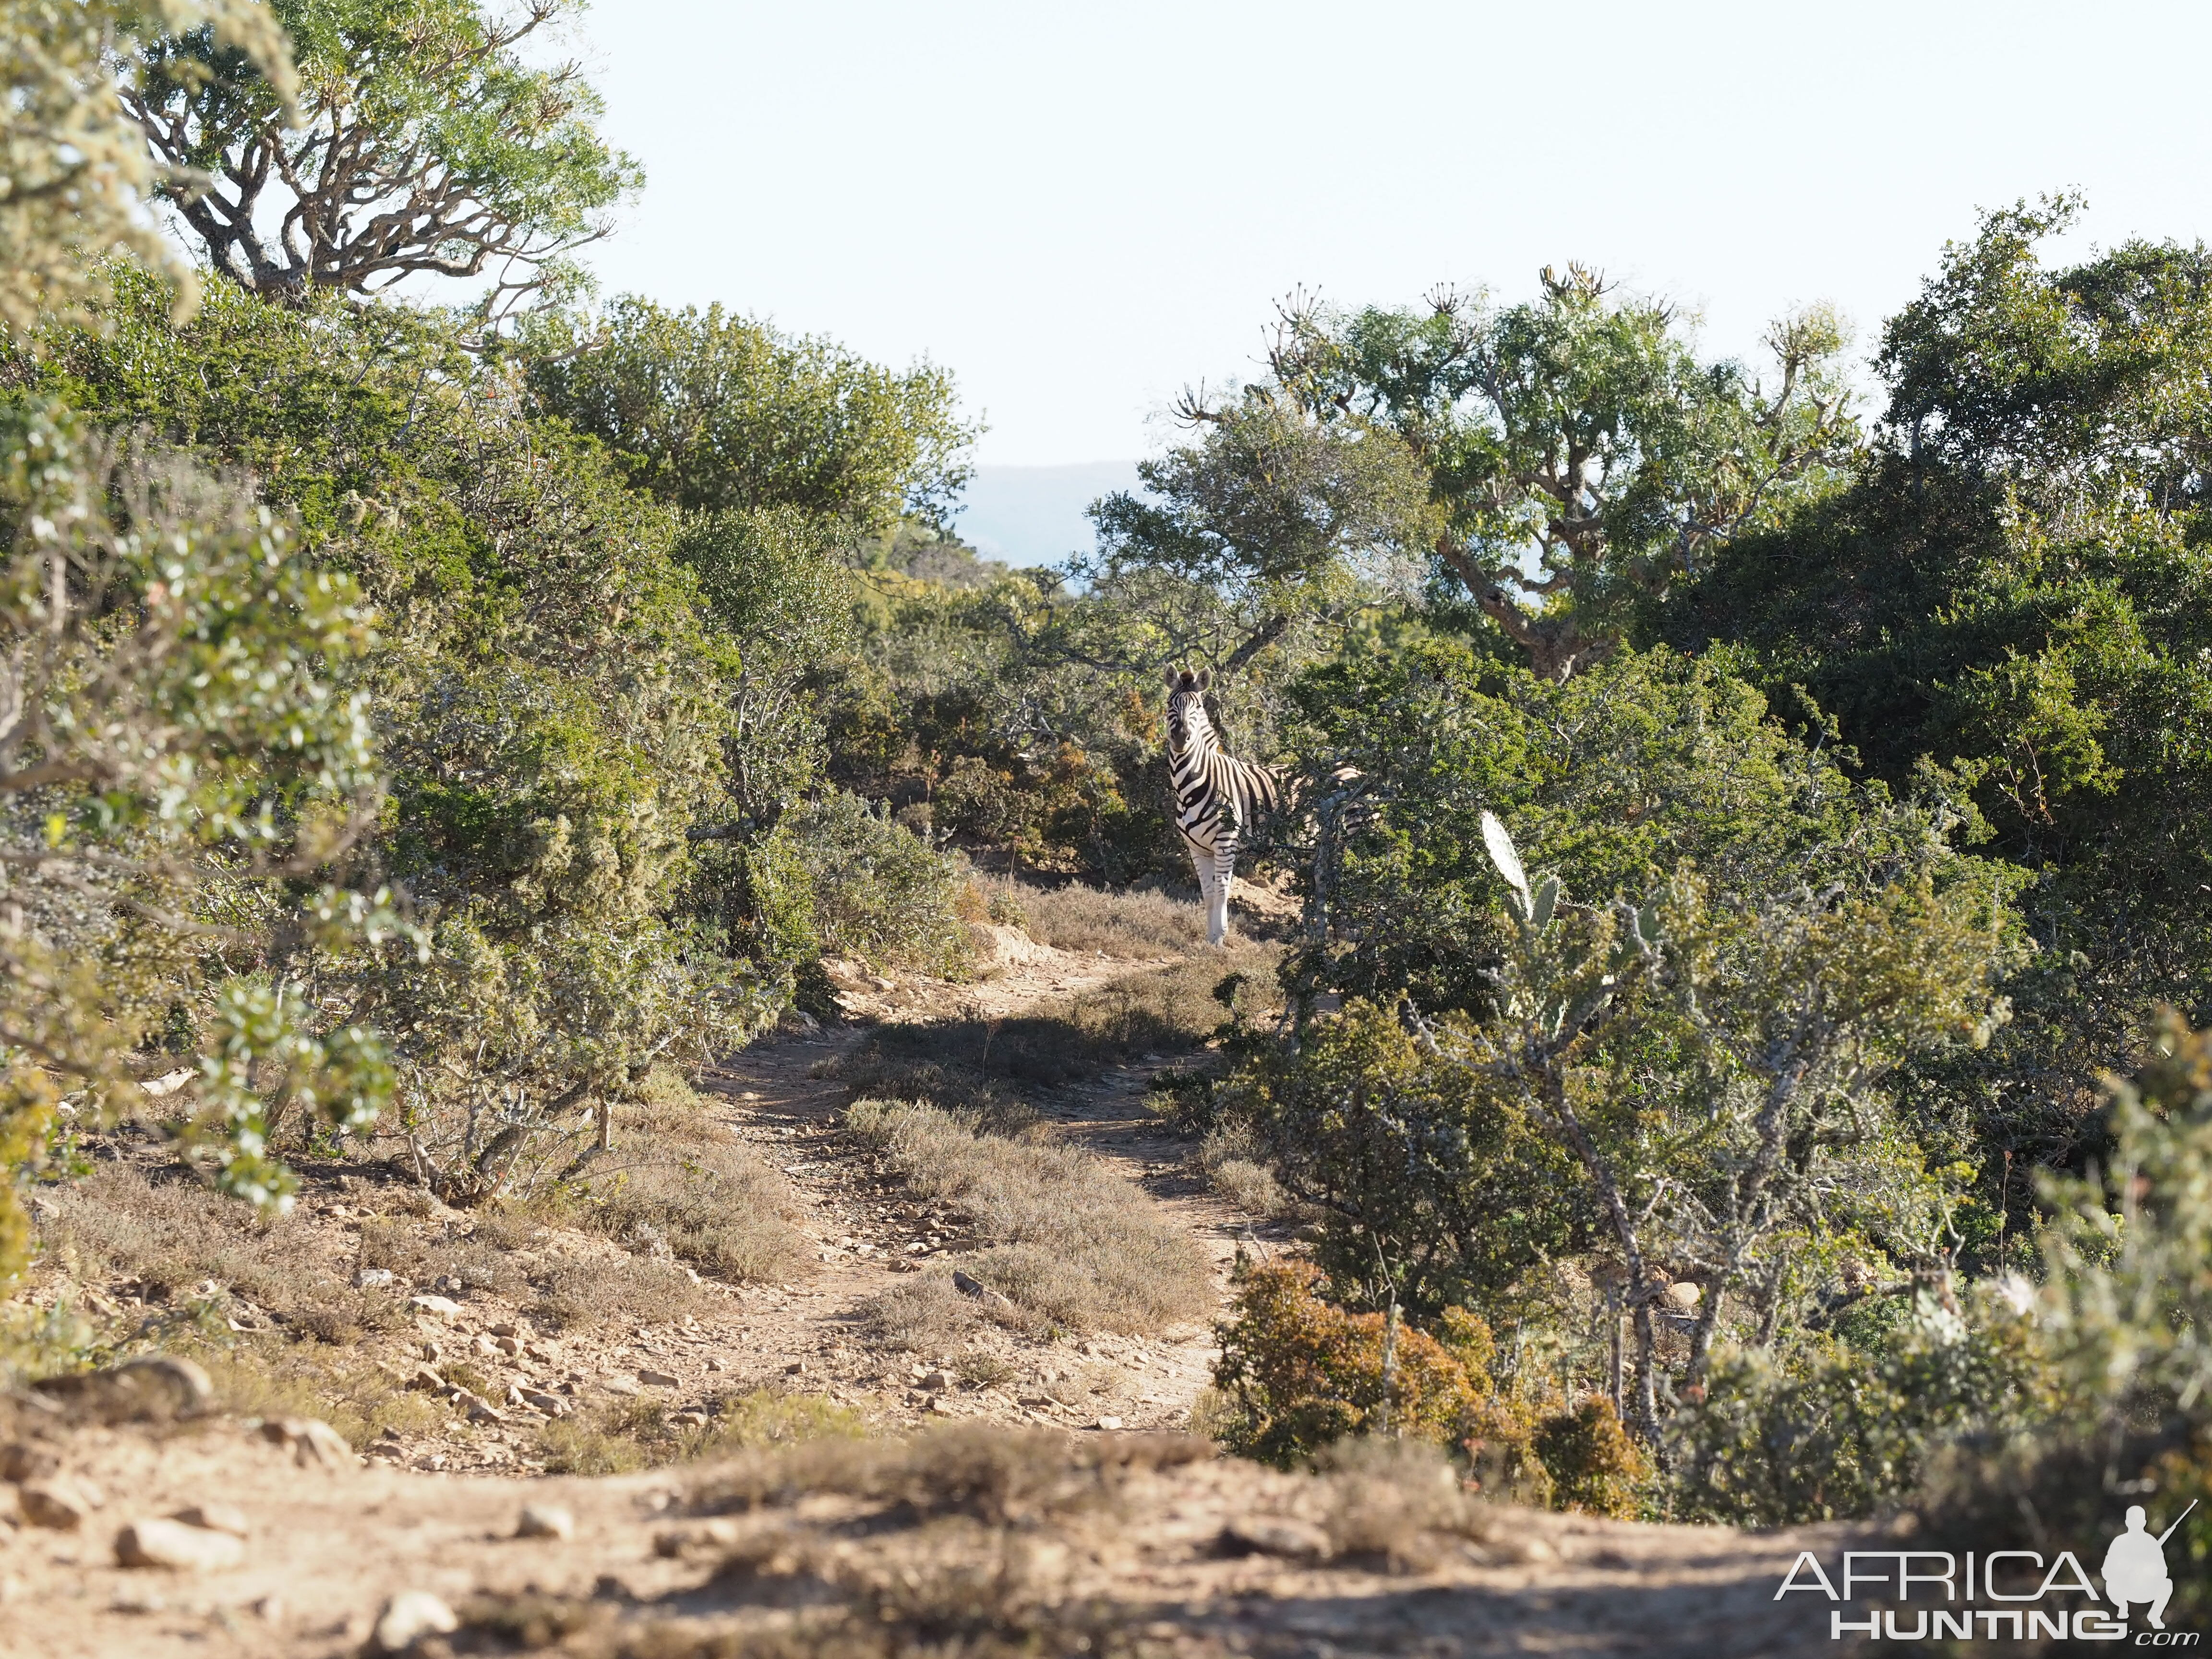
x=775 y=1096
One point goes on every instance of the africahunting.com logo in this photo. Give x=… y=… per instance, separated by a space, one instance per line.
x=2029 y=1601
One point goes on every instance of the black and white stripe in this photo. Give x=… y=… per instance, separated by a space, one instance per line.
x=1217 y=796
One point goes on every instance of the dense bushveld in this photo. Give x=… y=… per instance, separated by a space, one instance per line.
x=1744 y=837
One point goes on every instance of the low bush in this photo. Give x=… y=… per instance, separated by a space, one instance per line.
x=1136 y=923
x=1072 y=1242
x=860 y=885
x=1301 y=1374
x=1831 y=1431
x=1300 y=1380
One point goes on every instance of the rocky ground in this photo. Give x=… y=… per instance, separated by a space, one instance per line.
x=304 y=1541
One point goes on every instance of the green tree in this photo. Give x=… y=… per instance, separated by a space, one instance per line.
x=716 y=413
x=75 y=174
x=426 y=141
x=1580 y=459
x=2013 y=588
x=183 y=745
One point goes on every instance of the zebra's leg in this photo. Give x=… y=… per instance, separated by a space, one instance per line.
x=1217 y=897
x=1201 y=860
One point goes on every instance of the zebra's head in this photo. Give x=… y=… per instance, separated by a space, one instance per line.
x=1186 y=719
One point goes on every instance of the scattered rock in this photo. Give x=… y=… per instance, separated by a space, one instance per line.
x=440 y=1307
x=708 y=1534
x=935 y=1381
x=1271 y=1534
x=1108 y=1423
x=1683 y=1297
x=410 y=1615
x=423 y=1378
x=310 y=1439
x=619 y=1385
x=940 y=1405
x=483 y=1410
x=173 y=1544
x=551 y=1404
x=153 y=1389
x=57 y=1502
x=508 y=1344
x=216 y=1518
x=716 y=1365
x=506 y=1330
x=658 y=1379
x=373 y=1279
x=797 y=1368
x=690 y=1419
x=24 y=1461
x=544 y=1352
x=134 y=1599
x=544 y=1521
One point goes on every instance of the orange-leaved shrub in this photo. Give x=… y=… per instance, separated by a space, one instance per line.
x=1298 y=1374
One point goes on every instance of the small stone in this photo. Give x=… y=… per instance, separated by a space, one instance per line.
x=1269 y=1535
x=56 y=1502
x=658 y=1379
x=544 y=1521
x=935 y=1381
x=311 y=1440
x=940 y=1405
x=269 y=1609
x=423 y=1378
x=216 y=1518
x=506 y=1330
x=621 y=1385
x=1108 y=1423
x=23 y=1462
x=544 y=1352
x=173 y=1544
x=410 y=1614
x=483 y=1410
x=797 y=1368
x=132 y=1599
x=718 y=1533
x=551 y=1404
x=484 y=1345
x=506 y=1345
x=373 y=1279
x=967 y=1284
x=1683 y=1295
x=437 y=1307
x=716 y=1365
x=690 y=1419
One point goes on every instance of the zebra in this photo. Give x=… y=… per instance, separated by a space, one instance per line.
x=1217 y=796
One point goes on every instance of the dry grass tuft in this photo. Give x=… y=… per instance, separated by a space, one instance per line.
x=924 y=1314
x=579 y=1295
x=680 y=1180
x=1133 y=924
x=978 y=1067
x=1076 y=1244
x=997 y=1476
x=636 y=1434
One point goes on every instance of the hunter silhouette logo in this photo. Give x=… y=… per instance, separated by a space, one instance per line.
x=2135 y=1568
x=2033 y=1600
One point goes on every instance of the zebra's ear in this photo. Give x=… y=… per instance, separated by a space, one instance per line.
x=1168 y=673
x=1205 y=678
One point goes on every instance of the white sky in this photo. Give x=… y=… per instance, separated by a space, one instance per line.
x=1077 y=209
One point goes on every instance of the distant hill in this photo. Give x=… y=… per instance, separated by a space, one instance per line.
x=1030 y=515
